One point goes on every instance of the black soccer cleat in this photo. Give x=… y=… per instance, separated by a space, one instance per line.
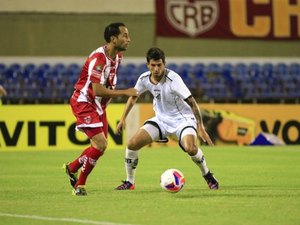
x=212 y=182
x=125 y=186
x=72 y=176
x=79 y=191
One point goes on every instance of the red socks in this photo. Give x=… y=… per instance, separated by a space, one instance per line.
x=88 y=160
x=77 y=163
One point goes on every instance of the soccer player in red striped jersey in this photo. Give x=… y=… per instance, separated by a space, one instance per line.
x=93 y=92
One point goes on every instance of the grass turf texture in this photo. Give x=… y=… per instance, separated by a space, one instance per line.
x=258 y=185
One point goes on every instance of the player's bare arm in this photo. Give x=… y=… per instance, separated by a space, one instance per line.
x=201 y=129
x=101 y=91
x=122 y=123
x=2 y=91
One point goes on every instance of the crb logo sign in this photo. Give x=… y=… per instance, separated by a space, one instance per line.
x=192 y=17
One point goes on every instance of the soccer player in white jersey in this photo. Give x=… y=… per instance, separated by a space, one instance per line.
x=93 y=91
x=176 y=114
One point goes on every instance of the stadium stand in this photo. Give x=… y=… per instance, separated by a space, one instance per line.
x=211 y=82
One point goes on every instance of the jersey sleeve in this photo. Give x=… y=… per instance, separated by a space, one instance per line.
x=180 y=87
x=96 y=69
x=140 y=85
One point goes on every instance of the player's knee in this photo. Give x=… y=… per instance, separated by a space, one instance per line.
x=191 y=149
x=101 y=145
x=133 y=144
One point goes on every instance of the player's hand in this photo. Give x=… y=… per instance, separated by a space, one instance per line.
x=204 y=135
x=121 y=125
x=132 y=92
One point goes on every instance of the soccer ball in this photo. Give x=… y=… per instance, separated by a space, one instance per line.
x=172 y=180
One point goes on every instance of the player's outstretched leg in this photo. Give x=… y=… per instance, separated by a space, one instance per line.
x=87 y=167
x=71 y=168
x=200 y=161
x=131 y=162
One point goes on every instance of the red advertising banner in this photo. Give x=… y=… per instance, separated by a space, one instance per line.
x=231 y=19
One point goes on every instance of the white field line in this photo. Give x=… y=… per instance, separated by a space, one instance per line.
x=71 y=220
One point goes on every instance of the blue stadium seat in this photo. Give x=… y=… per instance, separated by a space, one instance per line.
x=142 y=68
x=13 y=70
x=29 y=67
x=172 y=66
x=189 y=81
x=254 y=70
x=186 y=66
x=15 y=66
x=2 y=67
x=213 y=68
x=218 y=82
x=59 y=67
x=281 y=69
x=294 y=69
x=198 y=70
x=184 y=70
x=267 y=69
x=74 y=67
x=227 y=67
x=44 y=66
x=241 y=69
x=129 y=69
x=28 y=70
x=227 y=72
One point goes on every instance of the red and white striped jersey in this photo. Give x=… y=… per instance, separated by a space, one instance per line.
x=98 y=68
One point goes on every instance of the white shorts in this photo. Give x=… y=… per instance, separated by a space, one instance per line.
x=159 y=131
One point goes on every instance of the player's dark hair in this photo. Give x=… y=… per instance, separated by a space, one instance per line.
x=112 y=29
x=155 y=54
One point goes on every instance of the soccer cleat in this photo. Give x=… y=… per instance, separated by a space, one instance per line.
x=72 y=176
x=212 y=182
x=79 y=191
x=125 y=186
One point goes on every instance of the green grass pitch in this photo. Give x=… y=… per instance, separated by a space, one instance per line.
x=258 y=185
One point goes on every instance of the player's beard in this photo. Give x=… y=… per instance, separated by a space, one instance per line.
x=122 y=48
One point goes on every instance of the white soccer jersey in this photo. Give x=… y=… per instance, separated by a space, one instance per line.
x=168 y=97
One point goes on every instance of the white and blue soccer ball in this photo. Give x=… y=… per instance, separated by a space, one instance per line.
x=172 y=180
